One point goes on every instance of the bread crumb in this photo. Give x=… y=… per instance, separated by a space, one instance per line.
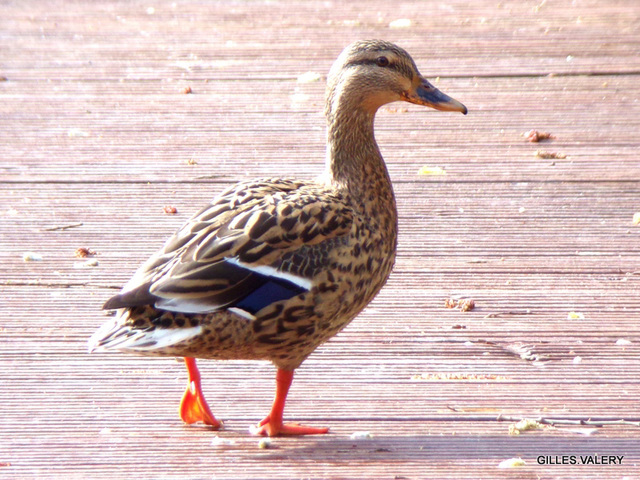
x=400 y=23
x=426 y=170
x=547 y=155
x=463 y=304
x=84 y=252
x=32 y=257
x=309 y=77
x=534 y=136
x=450 y=303
x=170 y=209
x=77 y=132
x=512 y=463
x=92 y=262
x=221 y=442
x=265 y=443
x=466 y=305
x=524 y=425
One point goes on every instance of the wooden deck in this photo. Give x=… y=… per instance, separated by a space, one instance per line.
x=96 y=136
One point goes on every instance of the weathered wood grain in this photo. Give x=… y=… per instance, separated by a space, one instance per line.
x=117 y=132
x=95 y=138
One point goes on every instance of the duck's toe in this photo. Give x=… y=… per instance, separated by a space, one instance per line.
x=268 y=427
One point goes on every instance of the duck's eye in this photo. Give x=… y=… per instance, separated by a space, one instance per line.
x=382 y=61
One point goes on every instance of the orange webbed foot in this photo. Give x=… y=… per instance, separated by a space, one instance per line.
x=272 y=424
x=193 y=407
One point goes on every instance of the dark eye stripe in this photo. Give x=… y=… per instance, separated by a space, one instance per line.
x=398 y=67
x=403 y=69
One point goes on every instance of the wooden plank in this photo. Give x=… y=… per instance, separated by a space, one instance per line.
x=559 y=219
x=142 y=133
x=520 y=38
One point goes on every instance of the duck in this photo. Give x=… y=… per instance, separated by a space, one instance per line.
x=272 y=268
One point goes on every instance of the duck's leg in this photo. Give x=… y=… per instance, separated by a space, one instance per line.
x=272 y=424
x=193 y=407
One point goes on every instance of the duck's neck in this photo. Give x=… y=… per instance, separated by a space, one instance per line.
x=354 y=163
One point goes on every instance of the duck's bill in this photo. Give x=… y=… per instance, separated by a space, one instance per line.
x=429 y=96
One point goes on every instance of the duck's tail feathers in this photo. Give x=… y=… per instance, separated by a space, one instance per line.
x=119 y=335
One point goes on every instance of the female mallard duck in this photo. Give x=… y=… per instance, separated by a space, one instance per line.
x=274 y=267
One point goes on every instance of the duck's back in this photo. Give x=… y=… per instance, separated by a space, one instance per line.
x=270 y=269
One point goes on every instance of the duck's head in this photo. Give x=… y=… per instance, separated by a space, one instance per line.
x=372 y=73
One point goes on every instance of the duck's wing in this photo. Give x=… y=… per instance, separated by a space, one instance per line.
x=249 y=248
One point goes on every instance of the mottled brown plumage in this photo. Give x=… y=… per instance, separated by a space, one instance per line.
x=274 y=267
